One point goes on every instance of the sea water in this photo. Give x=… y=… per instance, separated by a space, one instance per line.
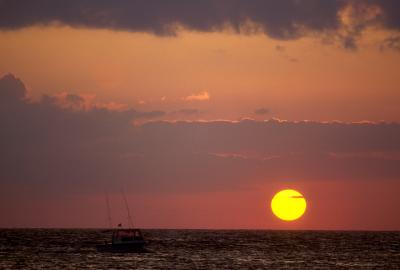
x=202 y=249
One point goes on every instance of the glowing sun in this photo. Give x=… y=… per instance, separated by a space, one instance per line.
x=288 y=204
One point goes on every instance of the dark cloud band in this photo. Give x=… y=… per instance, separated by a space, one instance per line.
x=46 y=148
x=284 y=19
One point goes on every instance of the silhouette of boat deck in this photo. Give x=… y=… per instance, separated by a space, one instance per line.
x=124 y=240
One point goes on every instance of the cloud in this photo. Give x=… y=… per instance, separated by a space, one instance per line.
x=285 y=19
x=183 y=114
x=280 y=48
x=43 y=143
x=187 y=111
x=296 y=197
x=262 y=111
x=47 y=150
x=81 y=102
x=392 y=42
x=203 y=96
x=12 y=90
x=282 y=51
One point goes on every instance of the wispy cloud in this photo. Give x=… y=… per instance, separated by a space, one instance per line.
x=186 y=111
x=202 y=96
x=392 y=42
x=283 y=52
x=262 y=111
x=82 y=102
x=296 y=197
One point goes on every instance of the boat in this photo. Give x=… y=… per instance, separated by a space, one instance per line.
x=124 y=240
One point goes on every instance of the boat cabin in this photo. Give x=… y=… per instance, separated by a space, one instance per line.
x=122 y=236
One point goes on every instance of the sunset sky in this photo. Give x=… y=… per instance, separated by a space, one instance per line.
x=200 y=111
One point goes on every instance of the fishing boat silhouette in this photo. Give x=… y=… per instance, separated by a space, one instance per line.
x=123 y=240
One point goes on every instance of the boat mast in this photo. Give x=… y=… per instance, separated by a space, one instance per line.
x=108 y=212
x=127 y=210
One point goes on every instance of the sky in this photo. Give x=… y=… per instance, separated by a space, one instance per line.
x=199 y=111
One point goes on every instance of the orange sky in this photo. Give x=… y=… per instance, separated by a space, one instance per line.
x=241 y=73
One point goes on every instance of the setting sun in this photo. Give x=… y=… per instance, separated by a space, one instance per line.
x=288 y=204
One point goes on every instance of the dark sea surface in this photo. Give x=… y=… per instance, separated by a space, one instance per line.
x=202 y=249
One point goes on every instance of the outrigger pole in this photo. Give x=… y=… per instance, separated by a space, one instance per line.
x=127 y=209
x=108 y=212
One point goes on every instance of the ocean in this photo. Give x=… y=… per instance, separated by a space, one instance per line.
x=202 y=249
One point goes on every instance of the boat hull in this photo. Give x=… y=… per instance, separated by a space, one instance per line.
x=137 y=247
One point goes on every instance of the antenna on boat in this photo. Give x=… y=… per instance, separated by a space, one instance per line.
x=127 y=209
x=108 y=211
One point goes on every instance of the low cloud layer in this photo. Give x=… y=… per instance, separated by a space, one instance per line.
x=39 y=139
x=285 y=19
x=48 y=149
